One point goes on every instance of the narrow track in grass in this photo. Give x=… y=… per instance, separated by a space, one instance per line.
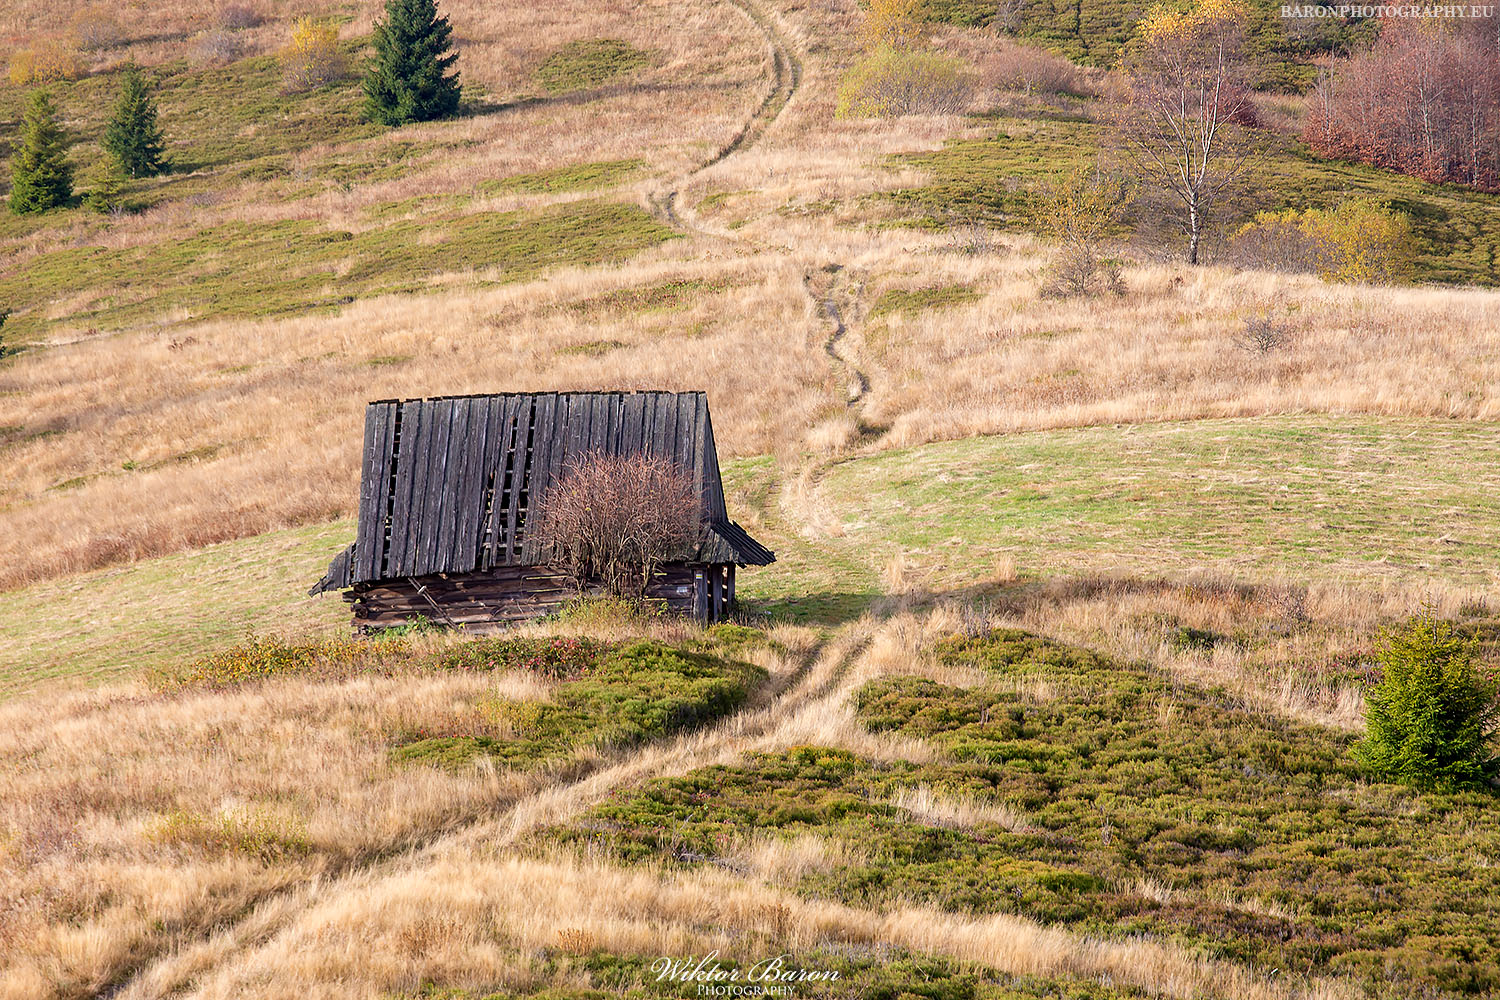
x=815 y=679
x=786 y=77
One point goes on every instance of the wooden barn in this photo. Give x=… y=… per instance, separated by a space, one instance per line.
x=447 y=482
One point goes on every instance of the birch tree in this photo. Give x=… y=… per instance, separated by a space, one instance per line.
x=1183 y=109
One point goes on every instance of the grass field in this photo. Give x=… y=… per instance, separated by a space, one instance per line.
x=1296 y=498
x=1385 y=505
x=1050 y=693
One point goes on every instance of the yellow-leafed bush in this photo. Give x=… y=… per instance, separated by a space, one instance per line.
x=1358 y=241
x=891 y=81
x=45 y=62
x=313 y=57
x=900 y=24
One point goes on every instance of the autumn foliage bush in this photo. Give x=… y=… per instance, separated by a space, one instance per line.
x=48 y=61
x=1424 y=101
x=1356 y=241
x=312 y=57
x=891 y=81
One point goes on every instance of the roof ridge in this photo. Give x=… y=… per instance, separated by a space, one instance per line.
x=541 y=392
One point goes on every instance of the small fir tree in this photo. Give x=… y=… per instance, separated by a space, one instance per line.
x=1430 y=721
x=133 y=136
x=41 y=177
x=408 y=79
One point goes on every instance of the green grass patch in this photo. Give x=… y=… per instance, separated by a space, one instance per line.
x=591 y=348
x=1142 y=806
x=625 y=696
x=1353 y=498
x=666 y=297
x=576 y=177
x=589 y=63
x=154 y=614
x=268 y=269
x=902 y=300
x=991 y=179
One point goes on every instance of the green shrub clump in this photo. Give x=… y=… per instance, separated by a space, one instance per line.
x=631 y=693
x=891 y=81
x=1430 y=721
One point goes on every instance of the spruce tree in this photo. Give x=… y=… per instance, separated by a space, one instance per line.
x=40 y=175
x=408 y=80
x=133 y=136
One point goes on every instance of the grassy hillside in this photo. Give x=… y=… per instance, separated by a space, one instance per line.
x=1300 y=498
x=1050 y=693
x=992 y=178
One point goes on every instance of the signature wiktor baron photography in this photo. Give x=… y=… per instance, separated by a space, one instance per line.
x=663 y=499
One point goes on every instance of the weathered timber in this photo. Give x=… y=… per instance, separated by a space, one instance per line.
x=447 y=485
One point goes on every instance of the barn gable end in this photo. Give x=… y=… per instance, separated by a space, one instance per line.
x=447 y=484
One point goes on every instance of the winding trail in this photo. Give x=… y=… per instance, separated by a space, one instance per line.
x=810 y=690
x=814 y=684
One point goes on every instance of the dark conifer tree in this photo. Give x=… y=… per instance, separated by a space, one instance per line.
x=133 y=136
x=408 y=80
x=41 y=177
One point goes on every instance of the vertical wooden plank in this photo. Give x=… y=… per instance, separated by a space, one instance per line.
x=700 y=594
x=525 y=413
x=729 y=602
x=504 y=485
x=440 y=414
x=450 y=491
x=541 y=469
x=595 y=426
x=491 y=476
x=712 y=480
x=651 y=424
x=578 y=426
x=467 y=495
x=691 y=413
x=631 y=410
x=666 y=426
x=374 y=487
x=617 y=423
x=409 y=471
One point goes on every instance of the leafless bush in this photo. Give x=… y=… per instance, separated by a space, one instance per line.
x=1031 y=70
x=219 y=45
x=970 y=237
x=1079 y=270
x=1262 y=336
x=95 y=28
x=615 y=519
x=1289 y=604
x=1010 y=15
x=239 y=16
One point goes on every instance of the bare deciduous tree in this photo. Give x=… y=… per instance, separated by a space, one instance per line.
x=1010 y=15
x=1183 y=108
x=615 y=519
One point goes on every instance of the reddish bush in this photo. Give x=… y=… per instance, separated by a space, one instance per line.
x=1424 y=101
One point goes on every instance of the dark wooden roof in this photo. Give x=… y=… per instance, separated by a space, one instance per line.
x=447 y=482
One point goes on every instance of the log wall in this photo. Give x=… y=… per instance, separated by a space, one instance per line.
x=508 y=594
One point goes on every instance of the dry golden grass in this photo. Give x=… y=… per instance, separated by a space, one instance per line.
x=134 y=822
x=472 y=922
